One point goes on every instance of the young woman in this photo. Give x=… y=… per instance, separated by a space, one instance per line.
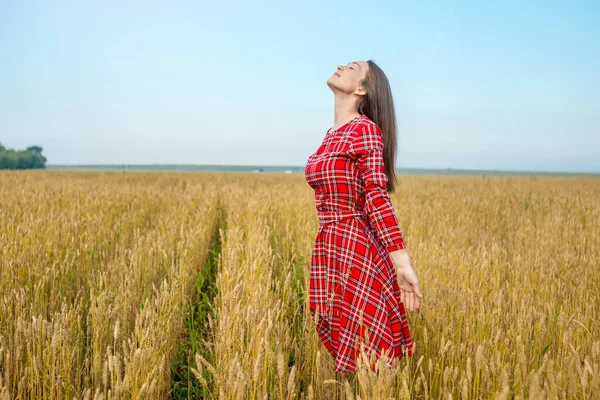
x=360 y=270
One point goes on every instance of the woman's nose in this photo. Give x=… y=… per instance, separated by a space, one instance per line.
x=340 y=68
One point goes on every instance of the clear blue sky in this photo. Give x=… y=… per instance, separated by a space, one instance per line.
x=510 y=85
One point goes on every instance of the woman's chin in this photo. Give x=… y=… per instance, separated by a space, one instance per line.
x=332 y=85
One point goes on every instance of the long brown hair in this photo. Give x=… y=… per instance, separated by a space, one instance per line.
x=378 y=105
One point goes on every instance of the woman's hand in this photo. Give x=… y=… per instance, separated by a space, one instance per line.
x=407 y=279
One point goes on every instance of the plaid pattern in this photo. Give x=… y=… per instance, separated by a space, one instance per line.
x=355 y=299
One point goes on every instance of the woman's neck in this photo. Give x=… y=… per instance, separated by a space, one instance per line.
x=344 y=109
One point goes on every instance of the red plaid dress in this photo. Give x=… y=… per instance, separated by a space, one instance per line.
x=354 y=294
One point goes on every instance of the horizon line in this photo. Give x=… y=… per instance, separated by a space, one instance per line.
x=121 y=165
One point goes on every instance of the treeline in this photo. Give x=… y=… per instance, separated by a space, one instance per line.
x=22 y=159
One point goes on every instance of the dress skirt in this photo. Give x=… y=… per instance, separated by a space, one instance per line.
x=354 y=288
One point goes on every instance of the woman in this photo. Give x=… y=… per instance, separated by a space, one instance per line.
x=360 y=269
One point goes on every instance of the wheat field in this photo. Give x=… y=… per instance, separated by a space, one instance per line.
x=194 y=285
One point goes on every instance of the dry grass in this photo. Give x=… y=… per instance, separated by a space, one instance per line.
x=98 y=270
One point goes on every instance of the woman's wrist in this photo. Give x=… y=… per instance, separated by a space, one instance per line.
x=400 y=258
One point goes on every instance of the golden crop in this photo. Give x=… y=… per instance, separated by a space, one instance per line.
x=194 y=285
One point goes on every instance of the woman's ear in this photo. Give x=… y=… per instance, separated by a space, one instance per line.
x=361 y=91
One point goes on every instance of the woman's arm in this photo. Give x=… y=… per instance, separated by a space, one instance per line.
x=367 y=148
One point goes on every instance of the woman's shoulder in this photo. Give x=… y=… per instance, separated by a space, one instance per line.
x=365 y=137
x=366 y=130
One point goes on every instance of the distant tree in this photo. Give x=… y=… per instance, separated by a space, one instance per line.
x=24 y=159
x=38 y=161
x=35 y=149
x=38 y=151
x=8 y=159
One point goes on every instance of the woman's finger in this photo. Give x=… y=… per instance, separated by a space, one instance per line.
x=417 y=289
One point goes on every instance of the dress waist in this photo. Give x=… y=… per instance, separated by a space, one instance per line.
x=326 y=217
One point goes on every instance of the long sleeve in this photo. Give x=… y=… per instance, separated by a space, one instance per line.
x=367 y=149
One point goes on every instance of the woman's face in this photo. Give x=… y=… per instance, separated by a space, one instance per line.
x=347 y=78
